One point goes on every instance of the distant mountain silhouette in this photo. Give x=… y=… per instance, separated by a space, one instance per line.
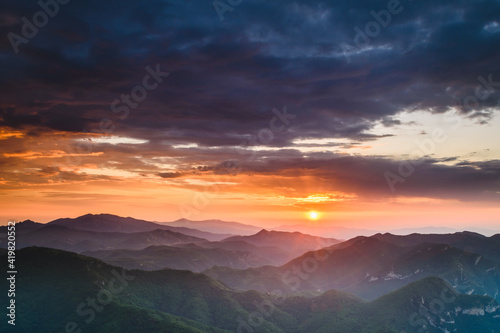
x=113 y=223
x=24 y=226
x=64 y=238
x=488 y=247
x=295 y=243
x=263 y=248
x=336 y=232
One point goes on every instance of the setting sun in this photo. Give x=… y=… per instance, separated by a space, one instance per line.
x=313 y=215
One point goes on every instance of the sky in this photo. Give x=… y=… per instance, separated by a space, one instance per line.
x=372 y=114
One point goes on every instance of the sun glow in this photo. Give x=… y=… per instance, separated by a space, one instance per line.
x=313 y=215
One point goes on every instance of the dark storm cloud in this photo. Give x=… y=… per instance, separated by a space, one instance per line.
x=170 y=175
x=226 y=77
x=365 y=176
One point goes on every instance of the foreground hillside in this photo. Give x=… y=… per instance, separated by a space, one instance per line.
x=60 y=291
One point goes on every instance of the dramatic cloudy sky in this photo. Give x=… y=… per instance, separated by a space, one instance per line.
x=269 y=110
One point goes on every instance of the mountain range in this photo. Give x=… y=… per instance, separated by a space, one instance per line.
x=113 y=223
x=177 y=278
x=82 y=293
x=64 y=238
x=294 y=243
x=112 y=239
x=369 y=267
x=195 y=258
